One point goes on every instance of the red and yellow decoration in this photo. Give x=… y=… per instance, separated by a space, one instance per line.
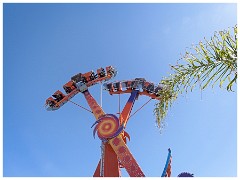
x=108 y=126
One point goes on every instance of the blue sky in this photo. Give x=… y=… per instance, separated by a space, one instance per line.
x=45 y=44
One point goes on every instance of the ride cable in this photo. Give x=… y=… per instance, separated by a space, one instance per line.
x=80 y=106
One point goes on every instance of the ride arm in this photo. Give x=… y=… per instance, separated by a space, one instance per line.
x=95 y=107
x=124 y=116
x=125 y=157
x=110 y=159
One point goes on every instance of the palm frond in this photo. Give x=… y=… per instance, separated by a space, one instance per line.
x=211 y=62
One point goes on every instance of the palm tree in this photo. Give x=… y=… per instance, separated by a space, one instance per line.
x=210 y=62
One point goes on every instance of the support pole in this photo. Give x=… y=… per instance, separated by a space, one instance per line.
x=101 y=95
x=102 y=160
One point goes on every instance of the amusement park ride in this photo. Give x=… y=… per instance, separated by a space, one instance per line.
x=111 y=129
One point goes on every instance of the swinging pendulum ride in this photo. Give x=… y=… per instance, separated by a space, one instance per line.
x=110 y=129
